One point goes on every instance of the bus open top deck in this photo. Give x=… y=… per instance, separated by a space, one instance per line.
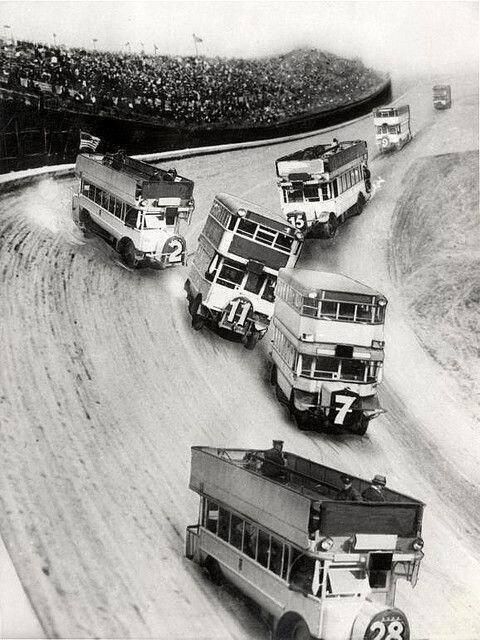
x=320 y=159
x=306 y=503
x=135 y=179
x=310 y=282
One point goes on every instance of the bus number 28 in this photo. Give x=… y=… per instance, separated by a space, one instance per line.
x=392 y=631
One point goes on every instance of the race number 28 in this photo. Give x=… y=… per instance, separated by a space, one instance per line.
x=391 y=631
x=343 y=404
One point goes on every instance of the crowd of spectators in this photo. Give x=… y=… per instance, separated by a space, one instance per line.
x=185 y=90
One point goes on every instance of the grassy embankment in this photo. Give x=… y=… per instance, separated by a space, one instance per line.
x=435 y=253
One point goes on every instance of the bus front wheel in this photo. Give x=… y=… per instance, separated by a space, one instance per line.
x=360 y=425
x=330 y=227
x=292 y=627
x=127 y=253
x=213 y=570
x=251 y=340
x=360 y=203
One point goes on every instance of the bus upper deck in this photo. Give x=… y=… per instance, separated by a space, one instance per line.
x=302 y=508
x=135 y=181
x=317 y=306
x=322 y=186
x=320 y=162
x=234 y=270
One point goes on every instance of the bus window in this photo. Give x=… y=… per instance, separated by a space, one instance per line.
x=346 y=582
x=310 y=307
x=283 y=242
x=250 y=540
x=246 y=228
x=263 y=548
x=335 y=188
x=286 y=554
x=302 y=573
x=295 y=194
x=269 y=291
x=353 y=370
x=254 y=282
x=265 y=236
x=170 y=216
x=326 y=191
x=211 y=518
x=328 y=309
x=231 y=273
x=307 y=364
x=311 y=193
x=364 y=312
x=86 y=189
x=236 y=531
x=276 y=552
x=380 y=313
x=131 y=217
x=154 y=221
x=223 y=523
x=346 y=311
x=325 y=367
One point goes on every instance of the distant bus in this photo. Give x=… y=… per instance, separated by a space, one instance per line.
x=442 y=96
x=392 y=127
x=234 y=271
x=321 y=186
x=318 y=567
x=327 y=349
x=135 y=206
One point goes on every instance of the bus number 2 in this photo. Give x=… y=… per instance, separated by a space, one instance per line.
x=346 y=402
x=176 y=254
x=394 y=631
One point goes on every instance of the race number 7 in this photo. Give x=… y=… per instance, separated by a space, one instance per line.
x=346 y=402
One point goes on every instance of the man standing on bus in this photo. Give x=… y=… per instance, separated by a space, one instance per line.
x=348 y=492
x=274 y=462
x=374 y=493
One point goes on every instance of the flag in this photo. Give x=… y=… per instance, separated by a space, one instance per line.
x=88 y=141
x=196 y=38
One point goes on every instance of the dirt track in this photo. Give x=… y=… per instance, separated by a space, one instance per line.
x=104 y=387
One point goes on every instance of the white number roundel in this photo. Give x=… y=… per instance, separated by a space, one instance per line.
x=388 y=625
x=175 y=248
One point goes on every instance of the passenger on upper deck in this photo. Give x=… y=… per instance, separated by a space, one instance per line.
x=374 y=493
x=348 y=492
x=274 y=461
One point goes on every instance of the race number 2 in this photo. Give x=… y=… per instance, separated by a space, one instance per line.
x=343 y=404
x=174 y=248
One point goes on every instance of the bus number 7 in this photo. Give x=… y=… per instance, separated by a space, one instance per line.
x=346 y=402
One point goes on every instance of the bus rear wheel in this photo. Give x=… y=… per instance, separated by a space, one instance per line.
x=330 y=227
x=251 y=340
x=360 y=425
x=292 y=628
x=360 y=203
x=127 y=253
x=213 y=570
x=197 y=320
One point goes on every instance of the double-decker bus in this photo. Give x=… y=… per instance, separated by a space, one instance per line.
x=135 y=206
x=233 y=273
x=327 y=349
x=319 y=567
x=322 y=186
x=392 y=127
x=442 y=96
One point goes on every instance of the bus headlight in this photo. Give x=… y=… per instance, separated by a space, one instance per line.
x=417 y=544
x=382 y=302
x=299 y=235
x=241 y=213
x=323 y=216
x=325 y=544
x=191 y=205
x=378 y=344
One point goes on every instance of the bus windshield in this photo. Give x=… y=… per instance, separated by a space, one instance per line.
x=154 y=221
x=329 y=367
x=351 y=581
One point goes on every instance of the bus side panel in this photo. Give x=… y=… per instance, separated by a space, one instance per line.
x=258 y=583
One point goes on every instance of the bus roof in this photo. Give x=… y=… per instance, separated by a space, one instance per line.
x=234 y=203
x=307 y=281
x=227 y=475
x=323 y=158
x=441 y=87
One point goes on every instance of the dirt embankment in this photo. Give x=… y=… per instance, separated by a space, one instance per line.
x=435 y=250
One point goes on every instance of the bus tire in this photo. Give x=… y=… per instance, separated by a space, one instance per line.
x=251 y=340
x=360 y=426
x=213 y=570
x=85 y=222
x=301 y=418
x=292 y=627
x=273 y=375
x=197 y=320
x=360 y=203
x=126 y=249
x=330 y=228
